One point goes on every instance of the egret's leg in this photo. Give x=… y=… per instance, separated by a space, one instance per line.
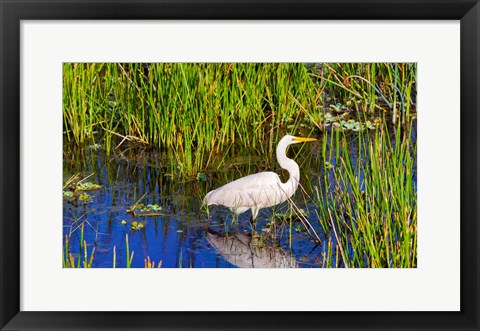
x=253 y=219
x=252 y=224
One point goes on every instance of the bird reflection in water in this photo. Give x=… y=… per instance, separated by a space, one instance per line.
x=244 y=251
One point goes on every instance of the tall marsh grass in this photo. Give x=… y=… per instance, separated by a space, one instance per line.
x=84 y=259
x=367 y=201
x=197 y=111
x=190 y=110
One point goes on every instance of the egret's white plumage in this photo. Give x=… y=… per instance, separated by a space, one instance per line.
x=261 y=190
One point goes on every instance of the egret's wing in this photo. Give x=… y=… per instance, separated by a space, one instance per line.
x=257 y=190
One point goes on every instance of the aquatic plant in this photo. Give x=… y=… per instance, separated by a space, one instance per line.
x=190 y=110
x=367 y=201
x=151 y=264
x=84 y=259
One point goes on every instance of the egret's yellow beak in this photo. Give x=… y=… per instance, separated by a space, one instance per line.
x=303 y=140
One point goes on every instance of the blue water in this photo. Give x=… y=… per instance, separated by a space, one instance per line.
x=179 y=237
x=185 y=235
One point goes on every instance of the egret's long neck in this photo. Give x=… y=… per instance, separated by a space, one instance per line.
x=290 y=186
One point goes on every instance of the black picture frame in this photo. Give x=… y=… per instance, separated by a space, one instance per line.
x=13 y=12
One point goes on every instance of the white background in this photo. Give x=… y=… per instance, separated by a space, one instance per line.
x=434 y=285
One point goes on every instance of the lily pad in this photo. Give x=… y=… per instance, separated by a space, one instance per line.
x=88 y=186
x=202 y=176
x=348 y=126
x=85 y=197
x=328 y=117
x=338 y=107
x=137 y=226
x=149 y=208
x=370 y=125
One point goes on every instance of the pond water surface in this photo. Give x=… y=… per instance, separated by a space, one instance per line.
x=180 y=232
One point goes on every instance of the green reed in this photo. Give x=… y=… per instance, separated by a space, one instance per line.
x=84 y=258
x=197 y=111
x=193 y=111
x=368 y=201
x=371 y=87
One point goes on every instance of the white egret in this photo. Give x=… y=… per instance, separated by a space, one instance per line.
x=261 y=190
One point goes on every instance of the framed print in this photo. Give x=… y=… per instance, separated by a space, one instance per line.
x=246 y=165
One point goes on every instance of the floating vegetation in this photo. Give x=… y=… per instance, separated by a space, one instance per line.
x=141 y=210
x=149 y=208
x=136 y=226
x=339 y=108
x=202 y=177
x=88 y=186
x=74 y=191
x=342 y=122
x=85 y=197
